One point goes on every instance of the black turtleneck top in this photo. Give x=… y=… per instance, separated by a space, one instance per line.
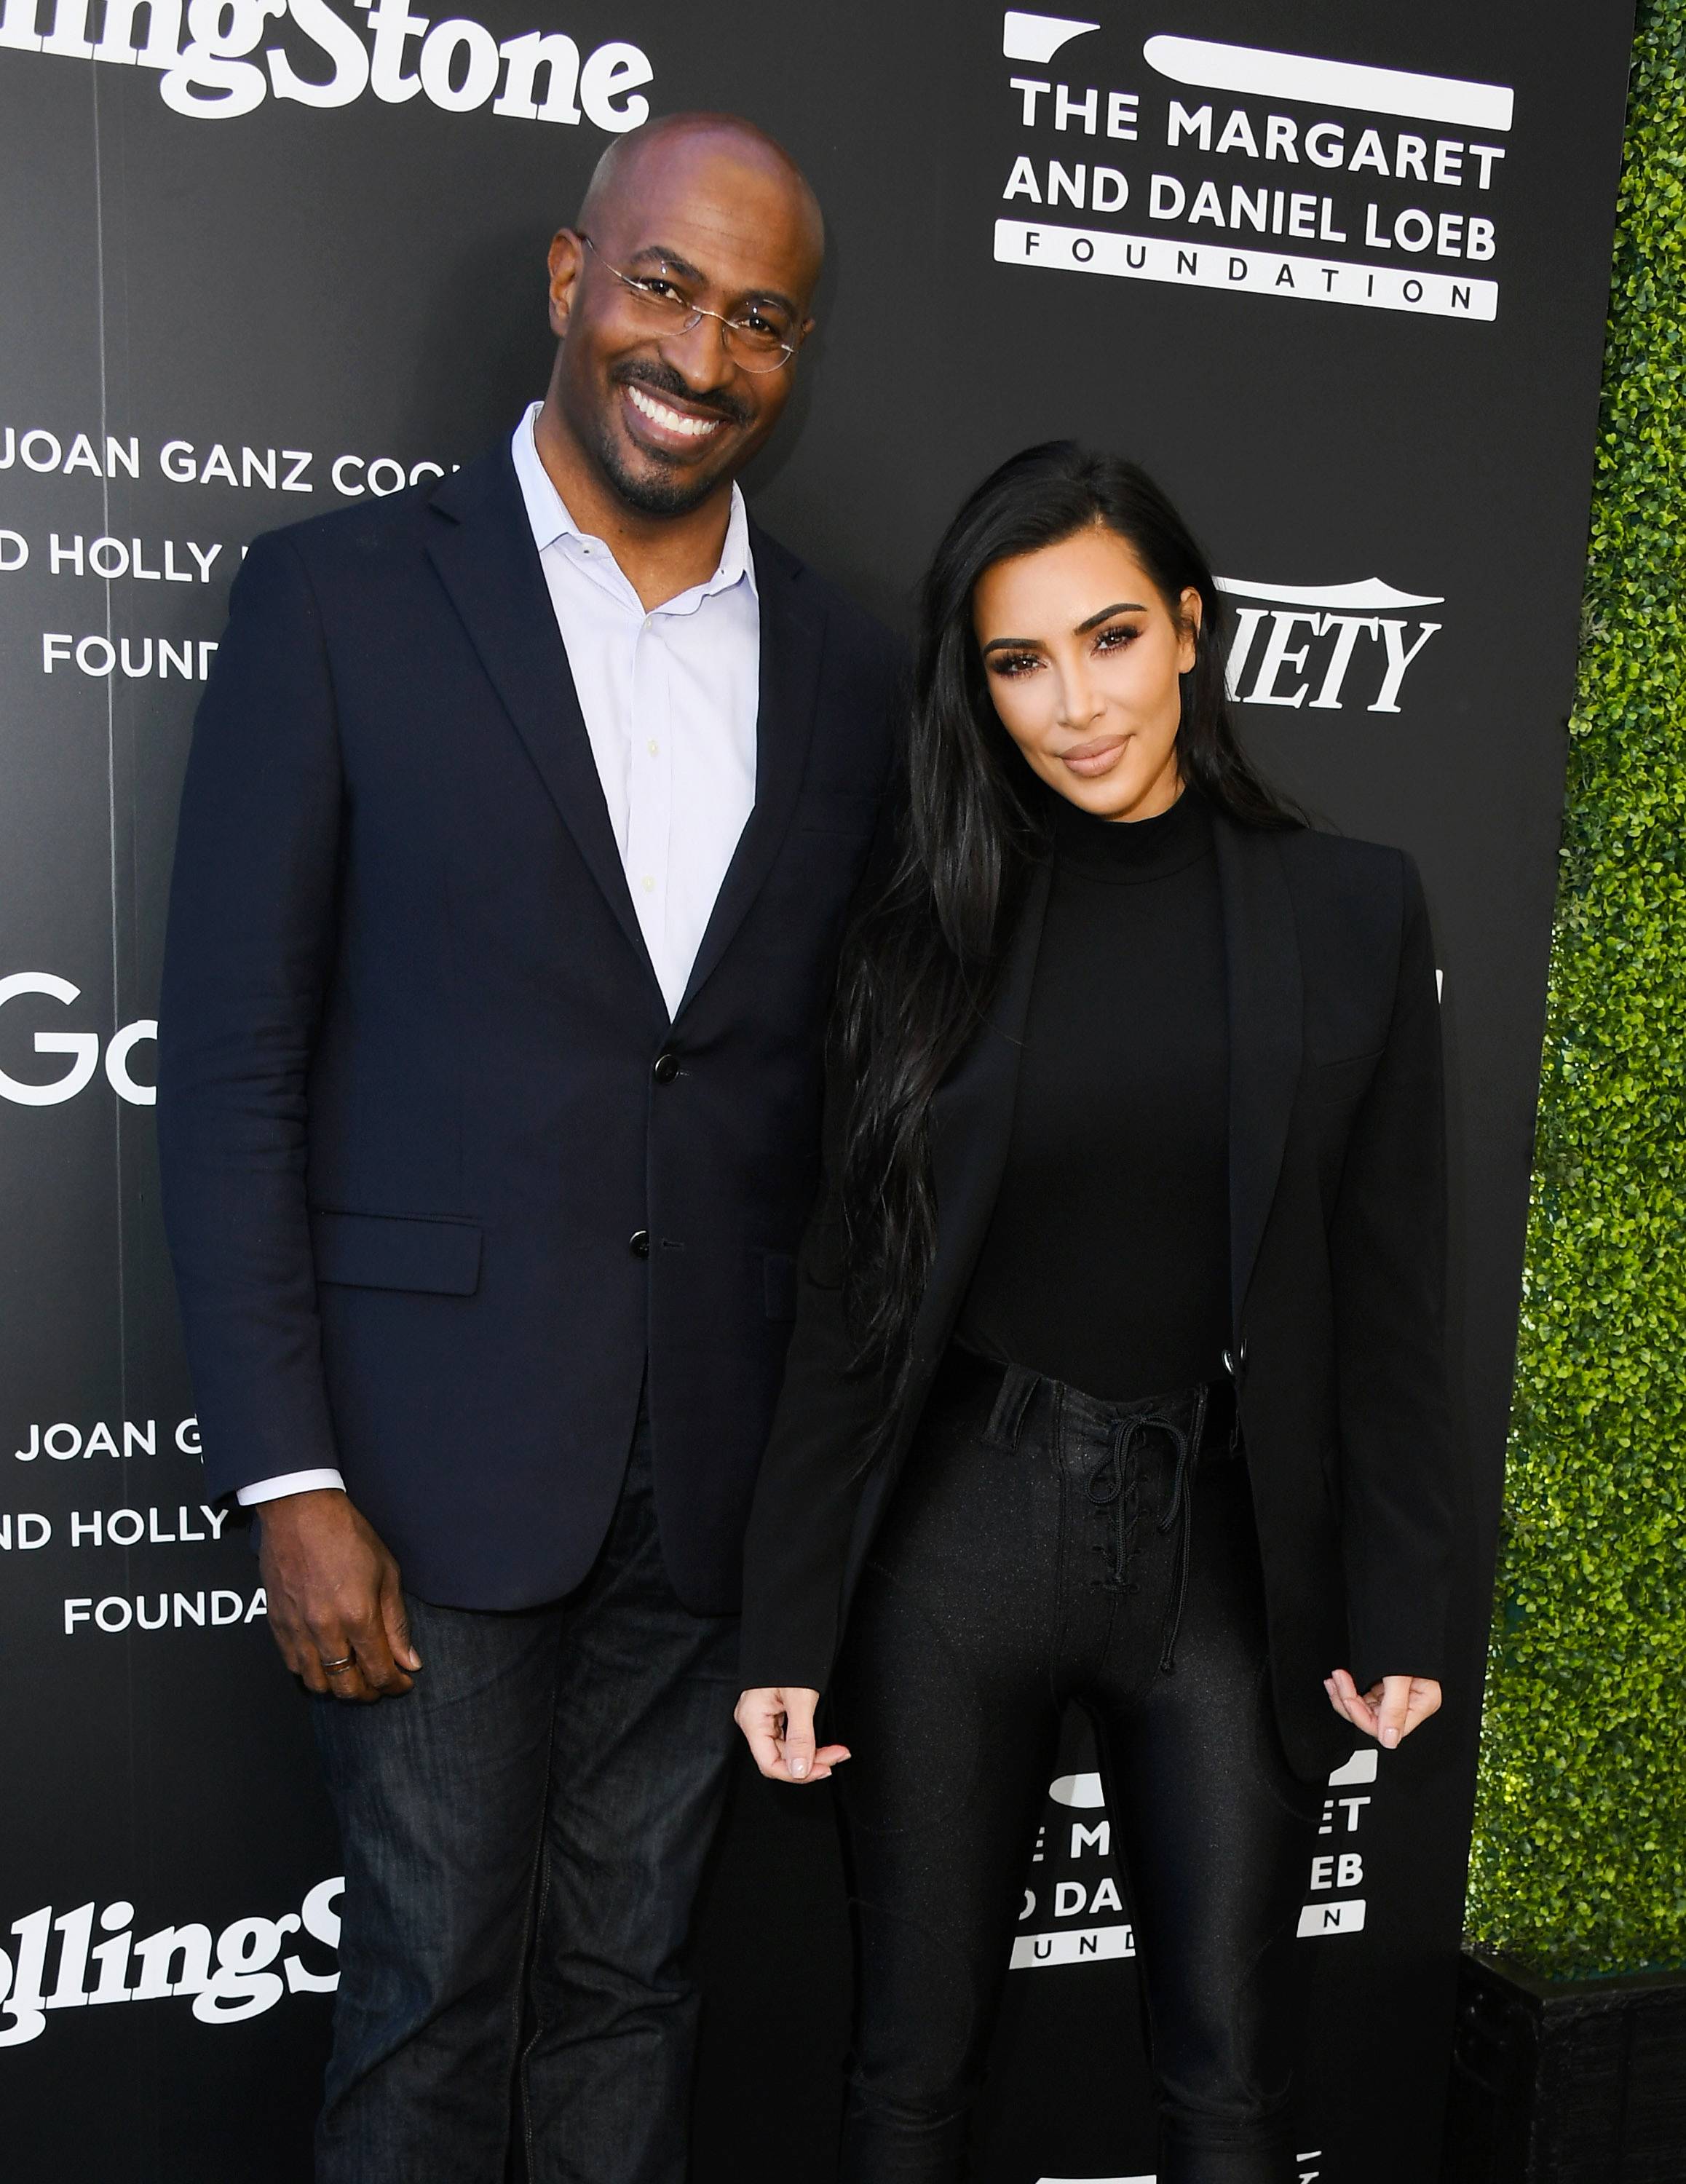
x=1106 y=1263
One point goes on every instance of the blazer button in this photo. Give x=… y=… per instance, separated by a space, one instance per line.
x=666 y=1068
x=640 y=1241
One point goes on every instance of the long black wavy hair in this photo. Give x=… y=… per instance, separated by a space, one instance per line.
x=920 y=965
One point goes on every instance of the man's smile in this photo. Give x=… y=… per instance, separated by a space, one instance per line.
x=663 y=423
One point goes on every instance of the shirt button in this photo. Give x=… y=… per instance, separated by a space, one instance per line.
x=666 y=1068
x=648 y=884
x=640 y=1243
x=655 y=748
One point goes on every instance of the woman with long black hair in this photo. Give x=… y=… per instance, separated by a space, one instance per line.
x=1118 y=1372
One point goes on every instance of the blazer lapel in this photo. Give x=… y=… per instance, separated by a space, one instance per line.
x=793 y=633
x=972 y=1123
x=1262 y=954
x=482 y=548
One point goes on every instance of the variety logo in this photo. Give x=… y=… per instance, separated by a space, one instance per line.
x=81 y=1047
x=1253 y=145
x=459 y=65
x=1302 y=644
x=55 y=1962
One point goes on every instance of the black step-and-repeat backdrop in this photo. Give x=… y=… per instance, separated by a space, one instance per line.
x=1335 y=271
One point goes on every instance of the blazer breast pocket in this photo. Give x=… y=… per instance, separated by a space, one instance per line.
x=1337 y=1080
x=437 y=1256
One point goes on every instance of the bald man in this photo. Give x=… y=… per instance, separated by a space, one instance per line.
x=521 y=826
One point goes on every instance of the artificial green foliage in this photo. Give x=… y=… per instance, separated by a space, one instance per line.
x=1579 y=1862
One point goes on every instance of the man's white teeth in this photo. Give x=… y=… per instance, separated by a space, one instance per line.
x=693 y=428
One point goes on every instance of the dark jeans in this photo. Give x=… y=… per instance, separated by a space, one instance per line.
x=1035 y=1553
x=523 y=1833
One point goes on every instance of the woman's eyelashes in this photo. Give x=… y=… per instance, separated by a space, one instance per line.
x=1114 y=638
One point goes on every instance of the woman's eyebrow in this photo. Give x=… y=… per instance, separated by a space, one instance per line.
x=1095 y=621
x=1082 y=629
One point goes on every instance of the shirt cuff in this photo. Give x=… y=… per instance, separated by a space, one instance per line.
x=287 y=1482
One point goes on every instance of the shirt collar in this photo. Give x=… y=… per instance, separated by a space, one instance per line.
x=548 y=513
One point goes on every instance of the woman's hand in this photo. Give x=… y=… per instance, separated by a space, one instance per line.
x=778 y=1722
x=1387 y=1711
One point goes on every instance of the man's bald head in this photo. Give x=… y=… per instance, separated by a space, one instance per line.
x=694 y=229
x=667 y=154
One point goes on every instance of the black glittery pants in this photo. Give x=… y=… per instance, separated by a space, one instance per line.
x=1044 y=1546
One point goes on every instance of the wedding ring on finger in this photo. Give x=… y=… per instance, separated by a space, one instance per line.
x=338 y=1667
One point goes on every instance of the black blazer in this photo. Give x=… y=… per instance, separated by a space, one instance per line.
x=430 y=1202
x=1337 y=1259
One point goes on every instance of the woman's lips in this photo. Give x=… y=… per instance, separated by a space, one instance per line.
x=1093 y=758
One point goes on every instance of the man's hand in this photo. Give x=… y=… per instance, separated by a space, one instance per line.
x=778 y=1724
x=336 y=1605
x=1387 y=1711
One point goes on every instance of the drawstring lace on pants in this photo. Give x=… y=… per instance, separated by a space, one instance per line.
x=1113 y=1490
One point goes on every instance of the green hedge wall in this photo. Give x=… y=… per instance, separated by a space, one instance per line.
x=1579 y=1864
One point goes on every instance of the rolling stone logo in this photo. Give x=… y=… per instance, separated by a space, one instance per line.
x=217 y=60
x=89 y=1959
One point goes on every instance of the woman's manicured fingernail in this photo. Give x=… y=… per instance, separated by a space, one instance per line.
x=799 y=1768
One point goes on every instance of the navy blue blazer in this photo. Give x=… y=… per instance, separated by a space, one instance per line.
x=439 y=1176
